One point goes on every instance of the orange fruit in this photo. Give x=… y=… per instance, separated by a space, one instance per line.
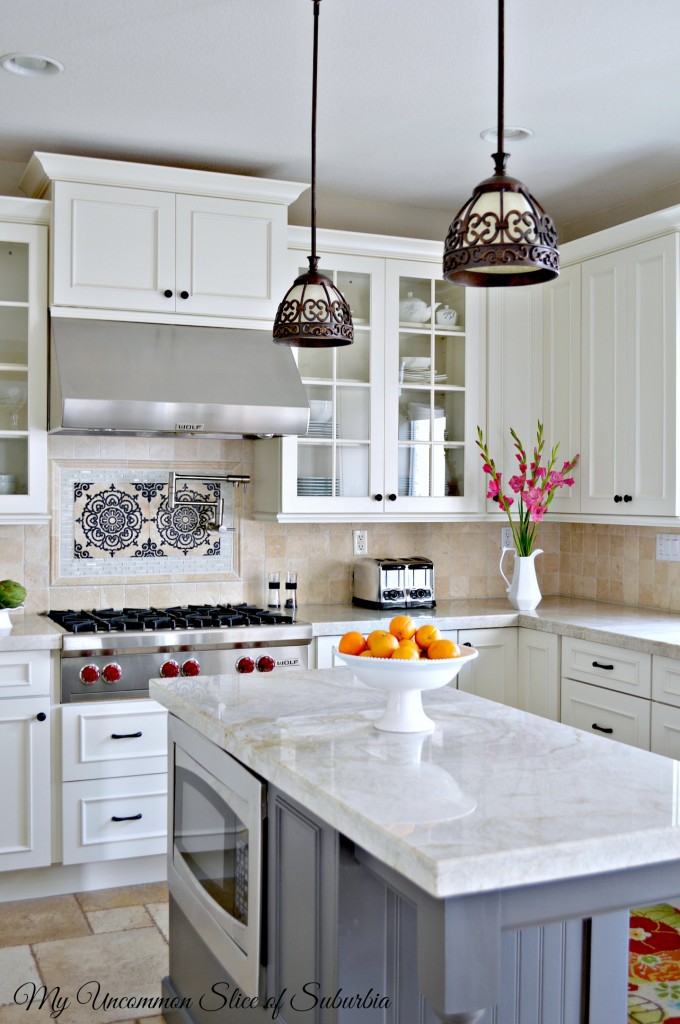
x=425 y=635
x=406 y=652
x=375 y=635
x=366 y=654
x=443 y=649
x=403 y=627
x=384 y=646
x=352 y=643
x=410 y=643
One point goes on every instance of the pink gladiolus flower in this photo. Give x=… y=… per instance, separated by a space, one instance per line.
x=494 y=488
x=517 y=483
x=537 y=513
x=540 y=471
x=569 y=482
x=487 y=468
x=556 y=478
x=532 y=497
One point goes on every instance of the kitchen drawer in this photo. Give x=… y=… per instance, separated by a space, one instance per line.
x=24 y=673
x=601 y=712
x=666 y=680
x=612 y=667
x=90 y=809
x=112 y=738
x=666 y=730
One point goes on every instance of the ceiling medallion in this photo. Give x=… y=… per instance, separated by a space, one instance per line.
x=501 y=236
x=313 y=312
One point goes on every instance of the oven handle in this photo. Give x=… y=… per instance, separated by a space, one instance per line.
x=130 y=817
x=125 y=735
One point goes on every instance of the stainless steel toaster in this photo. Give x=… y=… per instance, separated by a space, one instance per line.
x=393 y=582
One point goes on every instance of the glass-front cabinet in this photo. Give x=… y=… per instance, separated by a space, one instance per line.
x=392 y=416
x=23 y=362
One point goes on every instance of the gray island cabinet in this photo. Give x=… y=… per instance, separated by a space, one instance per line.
x=482 y=872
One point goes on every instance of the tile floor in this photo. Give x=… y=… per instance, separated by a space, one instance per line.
x=116 y=939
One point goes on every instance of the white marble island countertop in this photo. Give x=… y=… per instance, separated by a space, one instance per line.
x=494 y=798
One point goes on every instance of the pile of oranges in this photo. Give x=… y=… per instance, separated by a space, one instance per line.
x=403 y=640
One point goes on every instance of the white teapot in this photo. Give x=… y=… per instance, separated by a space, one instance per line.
x=415 y=311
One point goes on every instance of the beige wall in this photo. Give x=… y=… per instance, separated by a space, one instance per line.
x=610 y=563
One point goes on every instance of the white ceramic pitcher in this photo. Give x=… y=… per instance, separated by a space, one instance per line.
x=523 y=592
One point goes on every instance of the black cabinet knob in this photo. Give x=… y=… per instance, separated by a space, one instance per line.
x=167 y=293
x=41 y=716
x=617 y=498
x=184 y=295
x=378 y=497
x=392 y=497
x=628 y=497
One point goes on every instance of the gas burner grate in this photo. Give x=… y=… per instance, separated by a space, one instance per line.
x=190 y=616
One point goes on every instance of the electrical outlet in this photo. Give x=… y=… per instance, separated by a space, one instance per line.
x=360 y=542
x=507 y=540
x=668 y=547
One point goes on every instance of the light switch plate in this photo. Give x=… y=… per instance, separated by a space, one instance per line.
x=668 y=547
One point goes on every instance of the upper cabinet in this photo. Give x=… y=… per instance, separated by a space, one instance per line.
x=23 y=360
x=393 y=416
x=630 y=391
x=138 y=238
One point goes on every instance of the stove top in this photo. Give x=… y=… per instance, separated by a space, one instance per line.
x=181 y=617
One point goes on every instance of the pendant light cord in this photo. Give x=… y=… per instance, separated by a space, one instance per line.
x=499 y=156
x=313 y=259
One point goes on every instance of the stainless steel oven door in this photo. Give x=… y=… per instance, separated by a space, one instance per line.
x=215 y=868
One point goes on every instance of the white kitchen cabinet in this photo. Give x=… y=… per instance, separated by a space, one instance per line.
x=665 y=736
x=606 y=713
x=23 y=361
x=161 y=240
x=514 y=374
x=615 y=668
x=629 y=362
x=493 y=674
x=25 y=767
x=538 y=673
x=114 y=780
x=394 y=415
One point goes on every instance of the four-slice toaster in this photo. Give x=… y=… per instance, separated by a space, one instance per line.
x=393 y=582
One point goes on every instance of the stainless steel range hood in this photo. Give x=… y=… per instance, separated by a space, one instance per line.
x=117 y=377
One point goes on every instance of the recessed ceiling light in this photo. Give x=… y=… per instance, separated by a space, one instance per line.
x=30 y=64
x=511 y=133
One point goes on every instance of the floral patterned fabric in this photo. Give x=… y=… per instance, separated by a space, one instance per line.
x=654 y=965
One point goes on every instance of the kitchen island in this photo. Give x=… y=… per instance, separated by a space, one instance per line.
x=517 y=843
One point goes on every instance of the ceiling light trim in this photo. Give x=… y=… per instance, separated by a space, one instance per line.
x=36 y=65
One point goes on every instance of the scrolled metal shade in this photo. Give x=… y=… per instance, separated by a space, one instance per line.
x=313 y=314
x=501 y=236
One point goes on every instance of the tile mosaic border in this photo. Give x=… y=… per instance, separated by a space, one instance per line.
x=80 y=557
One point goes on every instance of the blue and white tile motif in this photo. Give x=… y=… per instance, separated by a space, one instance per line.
x=134 y=520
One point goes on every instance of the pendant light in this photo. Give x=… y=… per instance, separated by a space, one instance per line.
x=501 y=236
x=313 y=313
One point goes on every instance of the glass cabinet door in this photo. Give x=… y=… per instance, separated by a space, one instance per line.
x=432 y=353
x=338 y=464
x=23 y=358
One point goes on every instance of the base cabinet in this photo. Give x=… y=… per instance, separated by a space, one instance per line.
x=25 y=833
x=494 y=673
x=538 y=673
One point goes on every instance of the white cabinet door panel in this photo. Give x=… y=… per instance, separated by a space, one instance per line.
x=104 y=819
x=25 y=833
x=538 y=673
x=493 y=674
x=107 y=739
x=24 y=673
x=666 y=730
x=614 y=716
x=615 y=668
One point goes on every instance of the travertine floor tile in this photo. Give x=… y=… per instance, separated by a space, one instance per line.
x=125 y=896
x=119 y=920
x=16 y=967
x=113 y=964
x=160 y=912
x=40 y=920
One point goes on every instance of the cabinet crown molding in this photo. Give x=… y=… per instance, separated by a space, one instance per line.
x=44 y=168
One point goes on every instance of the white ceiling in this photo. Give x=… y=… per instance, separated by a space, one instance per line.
x=404 y=90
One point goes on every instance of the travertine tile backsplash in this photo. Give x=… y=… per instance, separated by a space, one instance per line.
x=609 y=563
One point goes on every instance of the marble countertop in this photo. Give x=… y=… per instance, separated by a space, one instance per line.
x=494 y=798
x=30 y=632
x=641 y=629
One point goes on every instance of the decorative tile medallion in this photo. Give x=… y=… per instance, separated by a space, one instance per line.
x=116 y=522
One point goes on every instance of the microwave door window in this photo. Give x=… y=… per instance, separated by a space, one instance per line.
x=212 y=842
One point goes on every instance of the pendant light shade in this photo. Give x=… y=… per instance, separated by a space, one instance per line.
x=313 y=312
x=501 y=236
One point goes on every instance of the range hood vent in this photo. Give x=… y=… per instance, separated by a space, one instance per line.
x=117 y=377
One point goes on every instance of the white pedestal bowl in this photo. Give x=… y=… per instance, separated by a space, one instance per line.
x=404 y=682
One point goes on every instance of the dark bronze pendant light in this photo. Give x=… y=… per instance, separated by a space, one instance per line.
x=313 y=313
x=501 y=236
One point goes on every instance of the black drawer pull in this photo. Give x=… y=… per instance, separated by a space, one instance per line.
x=125 y=735
x=600 y=728
x=609 y=668
x=41 y=716
x=466 y=643
x=130 y=817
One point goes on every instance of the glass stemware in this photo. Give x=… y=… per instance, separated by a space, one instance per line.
x=13 y=398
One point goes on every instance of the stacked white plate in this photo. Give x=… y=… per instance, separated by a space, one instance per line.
x=421 y=377
x=320 y=429
x=314 y=486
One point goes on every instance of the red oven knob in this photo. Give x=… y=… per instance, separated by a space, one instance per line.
x=191 y=667
x=169 y=669
x=112 y=673
x=245 y=665
x=89 y=674
x=265 y=663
